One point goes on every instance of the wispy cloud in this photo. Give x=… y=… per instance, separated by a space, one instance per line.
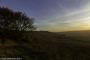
x=77 y=18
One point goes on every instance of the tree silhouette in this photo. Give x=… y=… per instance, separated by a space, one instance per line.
x=12 y=21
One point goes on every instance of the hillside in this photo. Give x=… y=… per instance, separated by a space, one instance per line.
x=43 y=45
x=53 y=46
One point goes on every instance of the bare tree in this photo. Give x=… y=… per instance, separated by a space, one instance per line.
x=14 y=21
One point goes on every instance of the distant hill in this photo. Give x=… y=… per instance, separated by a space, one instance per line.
x=82 y=32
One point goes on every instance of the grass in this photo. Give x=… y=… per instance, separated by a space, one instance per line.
x=52 y=46
x=49 y=46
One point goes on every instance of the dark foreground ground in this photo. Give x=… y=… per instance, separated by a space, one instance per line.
x=50 y=46
x=62 y=46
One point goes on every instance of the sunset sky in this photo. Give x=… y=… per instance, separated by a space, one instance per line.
x=54 y=15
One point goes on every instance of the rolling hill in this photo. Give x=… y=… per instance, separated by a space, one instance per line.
x=43 y=45
x=61 y=46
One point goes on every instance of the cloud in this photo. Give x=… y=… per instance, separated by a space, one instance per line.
x=73 y=18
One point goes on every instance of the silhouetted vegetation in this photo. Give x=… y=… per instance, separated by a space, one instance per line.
x=13 y=24
x=14 y=39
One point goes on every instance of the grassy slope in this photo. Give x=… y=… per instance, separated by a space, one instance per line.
x=52 y=46
x=49 y=46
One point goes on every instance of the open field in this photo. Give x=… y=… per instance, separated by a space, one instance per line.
x=45 y=45
x=61 y=46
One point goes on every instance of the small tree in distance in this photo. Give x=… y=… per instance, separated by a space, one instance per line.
x=14 y=21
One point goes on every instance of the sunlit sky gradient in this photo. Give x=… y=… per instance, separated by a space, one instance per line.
x=54 y=15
